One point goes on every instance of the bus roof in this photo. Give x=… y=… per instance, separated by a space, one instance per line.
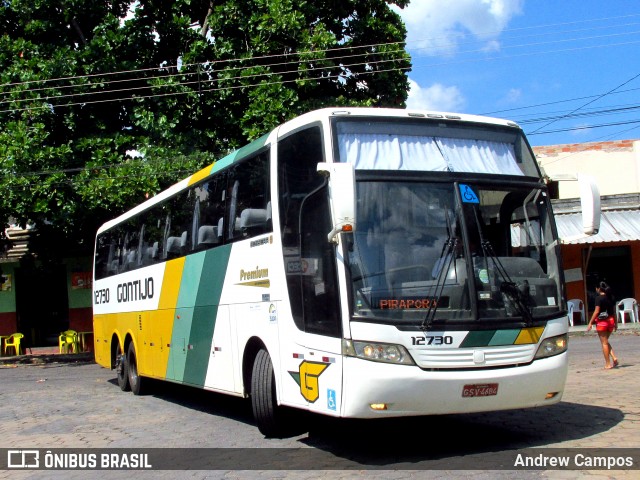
x=329 y=112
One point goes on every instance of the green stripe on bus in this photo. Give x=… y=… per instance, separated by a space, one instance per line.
x=478 y=339
x=239 y=154
x=504 y=337
x=180 y=344
x=204 y=316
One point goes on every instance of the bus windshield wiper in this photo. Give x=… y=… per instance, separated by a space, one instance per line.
x=443 y=264
x=507 y=286
x=519 y=297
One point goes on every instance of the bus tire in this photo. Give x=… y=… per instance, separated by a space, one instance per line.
x=136 y=382
x=122 y=371
x=263 y=396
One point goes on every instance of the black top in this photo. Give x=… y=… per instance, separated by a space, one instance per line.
x=605 y=304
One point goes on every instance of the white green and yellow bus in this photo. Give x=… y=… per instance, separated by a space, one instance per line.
x=353 y=262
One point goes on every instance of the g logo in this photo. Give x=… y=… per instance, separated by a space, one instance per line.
x=307 y=378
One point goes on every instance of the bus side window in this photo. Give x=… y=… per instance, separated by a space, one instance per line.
x=154 y=230
x=179 y=226
x=249 y=202
x=305 y=220
x=105 y=251
x=132 y=246
x=209 y=211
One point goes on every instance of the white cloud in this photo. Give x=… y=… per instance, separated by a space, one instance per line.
x=436 y=97
x=513 y=95
x=435 y=27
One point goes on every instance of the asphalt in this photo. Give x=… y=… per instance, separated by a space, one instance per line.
x=51 y=354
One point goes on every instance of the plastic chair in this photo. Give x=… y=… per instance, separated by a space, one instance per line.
x=570 y=308
x=69 y=342
x=576 y=306
x=628 y=306
x=13 y=342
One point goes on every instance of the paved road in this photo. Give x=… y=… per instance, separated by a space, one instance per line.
x=62 y=405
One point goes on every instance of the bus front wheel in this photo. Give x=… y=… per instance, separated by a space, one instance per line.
x=122 y=371
x=137 y=382
x=266 y=412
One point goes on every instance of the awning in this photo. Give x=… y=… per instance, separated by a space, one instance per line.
x=615 y=226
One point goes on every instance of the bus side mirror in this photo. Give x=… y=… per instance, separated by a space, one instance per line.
x=590 y=203
x=342 y=195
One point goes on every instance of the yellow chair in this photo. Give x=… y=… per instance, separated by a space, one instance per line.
x=13 y=342
x=69 y=342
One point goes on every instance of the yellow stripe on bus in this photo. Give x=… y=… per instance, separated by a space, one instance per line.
x=164 y=317
x=529 y=335
x=196 y=177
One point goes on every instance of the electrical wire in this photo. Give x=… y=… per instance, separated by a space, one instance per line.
x=588 y=103
x=287 y=55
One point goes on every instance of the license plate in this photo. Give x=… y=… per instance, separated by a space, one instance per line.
x=480 y=390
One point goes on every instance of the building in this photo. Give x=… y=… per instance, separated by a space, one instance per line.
x=40 y=300
x=612 y=255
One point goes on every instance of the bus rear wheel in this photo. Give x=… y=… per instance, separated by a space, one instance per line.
x=136 y=382
x=267 y=414
x=122 y=371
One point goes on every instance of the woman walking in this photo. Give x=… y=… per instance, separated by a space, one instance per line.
x=605 y=320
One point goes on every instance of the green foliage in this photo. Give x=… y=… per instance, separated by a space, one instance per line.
x=96 y=115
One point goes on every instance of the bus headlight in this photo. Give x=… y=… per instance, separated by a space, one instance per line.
x=377 y=352
x=552 y=346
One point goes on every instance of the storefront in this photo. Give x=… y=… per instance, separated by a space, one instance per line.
x=612 y=255
x=41 y=301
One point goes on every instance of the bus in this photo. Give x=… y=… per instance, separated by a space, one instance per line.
x=353 y=262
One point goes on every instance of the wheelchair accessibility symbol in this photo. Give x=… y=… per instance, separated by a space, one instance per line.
x=331 y=399
x=468 y=195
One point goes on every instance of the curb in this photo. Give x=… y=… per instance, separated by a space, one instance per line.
x=43 y=359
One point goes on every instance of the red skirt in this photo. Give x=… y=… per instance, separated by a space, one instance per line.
x=606 y=325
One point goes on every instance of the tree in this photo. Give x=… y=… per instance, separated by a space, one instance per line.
x=101 y=108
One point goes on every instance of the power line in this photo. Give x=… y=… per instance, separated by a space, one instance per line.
x=273 y=73
x=590 y=113
x=209 y=64
x=507 y=46
x=514 y=109
x=159 y=95
x=200 y=82
x=213 y=63
x=588 y=103
x=583 y=127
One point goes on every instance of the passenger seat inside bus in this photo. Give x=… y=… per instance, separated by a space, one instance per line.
x=150 y=254
x=132 y=260
x=254 y=221
x=173 y=247
x=207 y=236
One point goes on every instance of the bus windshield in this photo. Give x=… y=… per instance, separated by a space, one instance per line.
x=419 y=242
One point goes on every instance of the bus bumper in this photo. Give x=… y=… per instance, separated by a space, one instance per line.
x=398 y=390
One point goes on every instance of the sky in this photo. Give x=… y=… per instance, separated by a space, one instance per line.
x=567 y=71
